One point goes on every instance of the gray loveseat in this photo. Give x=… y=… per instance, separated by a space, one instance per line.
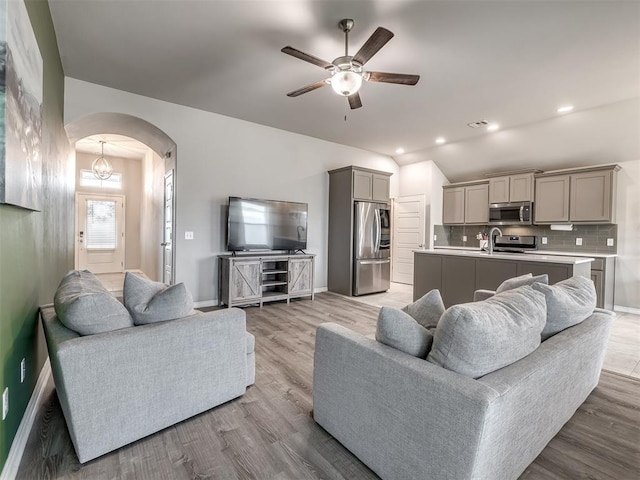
x=119 y=386
x=407 y=418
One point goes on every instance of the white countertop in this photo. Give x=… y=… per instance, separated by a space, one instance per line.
x=543 y=252
x=528 y=257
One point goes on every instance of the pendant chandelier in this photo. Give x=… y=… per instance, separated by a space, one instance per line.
x=101 y=167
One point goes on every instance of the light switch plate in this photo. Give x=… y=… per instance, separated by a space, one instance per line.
x=544 y=240
x=609 y=242
x=464 y=238
x=579 y=241
x=188 y=235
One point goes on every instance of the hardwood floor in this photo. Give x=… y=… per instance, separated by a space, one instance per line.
x=269 y=434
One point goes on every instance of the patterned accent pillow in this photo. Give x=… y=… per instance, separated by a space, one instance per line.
x=427 y=310
x=150 y=302
x=399 y=330
x=83 y=305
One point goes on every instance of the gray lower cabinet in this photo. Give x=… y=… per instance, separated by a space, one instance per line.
x=458 y=277
x=248 y=279
x=603 y=272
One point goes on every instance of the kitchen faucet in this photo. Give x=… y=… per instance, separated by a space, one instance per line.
x=491 y=241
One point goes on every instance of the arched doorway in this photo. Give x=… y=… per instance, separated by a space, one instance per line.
x=113 y=125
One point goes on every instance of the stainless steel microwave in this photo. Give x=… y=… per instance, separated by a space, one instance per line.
x=515 y=213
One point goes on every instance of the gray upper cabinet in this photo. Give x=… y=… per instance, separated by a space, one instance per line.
x=368 y=185
x=511 y=188
x=467 y=204
x=591 y=197
x=586 y=195
x=552 y=199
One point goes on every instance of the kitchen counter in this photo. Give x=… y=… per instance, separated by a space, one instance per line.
x=527 y=257
x=541 y=252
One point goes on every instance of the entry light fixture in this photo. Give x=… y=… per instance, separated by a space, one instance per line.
x=101 y=167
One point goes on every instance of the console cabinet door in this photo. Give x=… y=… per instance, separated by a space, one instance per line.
x=521 y=188
x=300 y=276
x=551 y=203
x=591 y=197
x=453 y=205
x=499 y=190
x=380 y=188
x=246 y=280
x=476 y=206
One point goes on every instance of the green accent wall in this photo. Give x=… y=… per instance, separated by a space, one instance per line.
x=36 y=248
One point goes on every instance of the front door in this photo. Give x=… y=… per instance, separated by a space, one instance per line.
x=167 y=241
x=100 y=233
x=408 y=235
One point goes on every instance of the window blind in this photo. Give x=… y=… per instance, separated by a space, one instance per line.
x=101 y=225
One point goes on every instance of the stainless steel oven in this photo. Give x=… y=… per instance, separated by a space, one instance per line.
x=514 y=213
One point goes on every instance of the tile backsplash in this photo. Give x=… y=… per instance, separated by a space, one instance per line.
x=594 y=237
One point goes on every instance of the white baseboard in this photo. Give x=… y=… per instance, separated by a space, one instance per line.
x=320 y=290
x=26 y=424
x=621 y=309
x=205 y=303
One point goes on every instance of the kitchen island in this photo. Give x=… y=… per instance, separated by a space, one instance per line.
x=457 y=273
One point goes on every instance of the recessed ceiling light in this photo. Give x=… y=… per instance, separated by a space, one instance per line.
x=399 y=151
x=492 y=127
x=565 y=109
x=440 y=140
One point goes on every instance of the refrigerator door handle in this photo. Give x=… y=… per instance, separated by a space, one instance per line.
x=378 y=231
x=374 y=262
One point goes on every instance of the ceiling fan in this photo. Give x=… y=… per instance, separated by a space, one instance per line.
x=347 y=73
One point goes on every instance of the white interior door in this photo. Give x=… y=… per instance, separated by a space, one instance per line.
x=100 y=233
x=408 y=235
x=167 y=242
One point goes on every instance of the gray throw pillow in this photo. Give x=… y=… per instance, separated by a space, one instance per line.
x=427 y=310
x=569 y=302
x=83 y=305
x=477 y=338
x=527 y=279
x=399 y=330
x=150 y=302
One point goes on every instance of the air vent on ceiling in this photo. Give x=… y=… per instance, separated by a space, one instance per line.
x=480 y=124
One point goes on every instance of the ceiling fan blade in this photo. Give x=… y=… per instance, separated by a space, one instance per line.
x=308 y=88
x=294 y=52
x=400 y=78
x=354 y=101
x=376 y=41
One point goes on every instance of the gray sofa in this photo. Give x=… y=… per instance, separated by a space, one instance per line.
x=119 y=386
x=407 y=418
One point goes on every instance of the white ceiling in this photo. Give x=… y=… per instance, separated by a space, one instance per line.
x=117 y=146
x=511 y=62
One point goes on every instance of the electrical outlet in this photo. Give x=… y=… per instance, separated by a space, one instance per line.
x=5 y=403
x=435 y=237
x=464 y=238
x=544 y=240
x=23 y=370
x=579 y=241
x=609 y=242
x=188 y=235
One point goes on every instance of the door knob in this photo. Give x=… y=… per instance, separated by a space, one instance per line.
x=164 y=244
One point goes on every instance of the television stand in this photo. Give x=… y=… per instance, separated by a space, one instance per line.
x=260 y=278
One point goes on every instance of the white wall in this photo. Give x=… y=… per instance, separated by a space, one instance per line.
x=218 y=156
x=151 y=213
x=627 y=292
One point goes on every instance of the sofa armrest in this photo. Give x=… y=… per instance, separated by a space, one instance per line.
x=119 y=386
x=480 y=295
x=399 y=414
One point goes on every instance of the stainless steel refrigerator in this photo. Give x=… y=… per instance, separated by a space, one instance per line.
x=372 y=246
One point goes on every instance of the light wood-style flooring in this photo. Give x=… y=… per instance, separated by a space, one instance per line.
x=269 y=433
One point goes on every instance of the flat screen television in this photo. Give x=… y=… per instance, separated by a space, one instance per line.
x=257 y=225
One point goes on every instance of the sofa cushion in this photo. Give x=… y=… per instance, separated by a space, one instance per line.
x=527 y=279
x=83 y=305
x=399 y=330
x=150 y=302
x=569 y=302
x=427 y=310
x=477 y=338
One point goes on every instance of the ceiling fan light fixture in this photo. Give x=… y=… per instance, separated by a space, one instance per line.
x=346 y=82
x=101 y=167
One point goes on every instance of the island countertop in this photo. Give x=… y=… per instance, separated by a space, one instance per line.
x=527 y=257
x=540 y=252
